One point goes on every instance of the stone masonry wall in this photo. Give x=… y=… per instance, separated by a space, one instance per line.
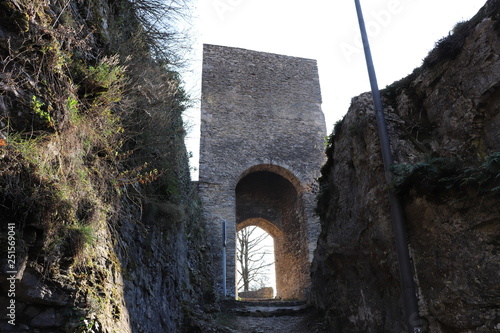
x=259 y=112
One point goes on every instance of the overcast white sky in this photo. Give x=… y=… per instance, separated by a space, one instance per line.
x=401 y=34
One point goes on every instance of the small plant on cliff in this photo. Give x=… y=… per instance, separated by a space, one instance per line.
x=88 y=325
x=38 y=109
x=449 y=47
x=439 y=174
x=79 y=236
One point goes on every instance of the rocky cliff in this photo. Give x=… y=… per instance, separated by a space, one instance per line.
x=444 y=126
x=101 y=227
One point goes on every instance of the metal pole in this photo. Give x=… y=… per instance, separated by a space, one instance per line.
x=224 y=291
x=398 y=224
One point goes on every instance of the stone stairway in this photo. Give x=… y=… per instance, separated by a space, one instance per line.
x=269 y=316
x=265 y=308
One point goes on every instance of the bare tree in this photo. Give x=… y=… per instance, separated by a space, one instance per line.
x=251 y=255
x=164 y=28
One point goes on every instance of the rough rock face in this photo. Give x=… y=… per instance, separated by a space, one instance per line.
x=101 y=227
x=444 y=125
x=167 y=276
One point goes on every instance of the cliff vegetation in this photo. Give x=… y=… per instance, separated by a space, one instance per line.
x=94 y=172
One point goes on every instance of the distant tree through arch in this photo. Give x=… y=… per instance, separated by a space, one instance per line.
x=254 y=257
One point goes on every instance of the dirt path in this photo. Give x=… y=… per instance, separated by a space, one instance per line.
x=272 y=317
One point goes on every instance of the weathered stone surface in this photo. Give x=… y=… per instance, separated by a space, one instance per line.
x=48 y=318
x=32 y=288
x=261 y=123
x=446 y=112
x=168 y=275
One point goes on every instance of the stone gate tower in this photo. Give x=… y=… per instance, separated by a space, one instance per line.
x=262 y=134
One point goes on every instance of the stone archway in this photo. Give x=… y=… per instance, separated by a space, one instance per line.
x=236 y=143
x=272 y=202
